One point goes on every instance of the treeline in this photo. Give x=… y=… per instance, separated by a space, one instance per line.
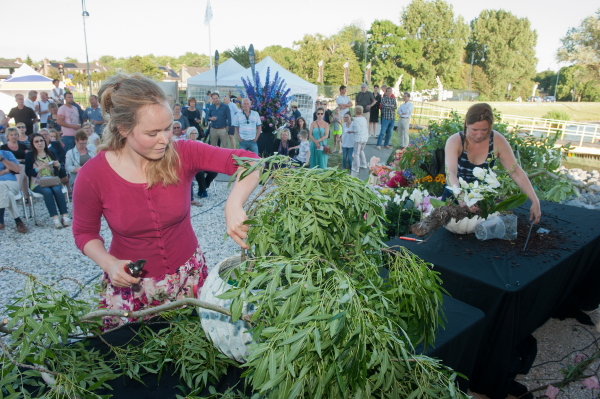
x=495 y=52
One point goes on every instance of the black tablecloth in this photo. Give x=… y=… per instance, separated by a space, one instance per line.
x=453 y=345
x=518 y=293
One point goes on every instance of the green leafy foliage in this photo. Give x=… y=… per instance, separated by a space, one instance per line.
x=316 y=212
x=558 y=115
x=328 y=332
x=45 y=318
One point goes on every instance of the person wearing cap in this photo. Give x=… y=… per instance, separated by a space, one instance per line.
x=295 y=113
x=343 y=101
x=365 y=99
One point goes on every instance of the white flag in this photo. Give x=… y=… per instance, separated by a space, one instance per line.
x=208 y=15
x=347 y=64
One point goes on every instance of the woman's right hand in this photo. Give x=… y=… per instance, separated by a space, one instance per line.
x=118 y=276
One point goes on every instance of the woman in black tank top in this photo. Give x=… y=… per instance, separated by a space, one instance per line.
x=477 y=130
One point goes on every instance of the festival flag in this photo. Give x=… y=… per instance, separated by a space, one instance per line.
x=208 y=15
x=320 y=77
x=346 y=72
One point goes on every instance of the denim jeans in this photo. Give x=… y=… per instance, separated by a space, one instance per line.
x=51 y=193
x=347 y=157
x=386 y=127
x=69 y=142
x=249 y=145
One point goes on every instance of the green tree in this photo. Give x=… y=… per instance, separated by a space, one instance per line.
x=546 y=81
x=193 y=60
x=508 y=44
x=70 y=59
x=106 y=59
x=240 y=54
x=442 y=36
x=28 y=60
x=144 y=65
x=392 y=54
x=284 y=56
x=581 y=45
x=578 y=83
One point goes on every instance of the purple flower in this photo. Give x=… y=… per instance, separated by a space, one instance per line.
x=551 y=392
x=591 y=383
x=578 y=358
x=270 y=125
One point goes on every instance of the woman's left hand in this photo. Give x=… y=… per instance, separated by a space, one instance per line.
x=56 y=164
x=535 y=212
x=234 y=219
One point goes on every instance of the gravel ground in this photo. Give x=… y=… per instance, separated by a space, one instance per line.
x=51 y=254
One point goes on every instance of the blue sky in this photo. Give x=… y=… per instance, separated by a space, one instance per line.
x=123 y=28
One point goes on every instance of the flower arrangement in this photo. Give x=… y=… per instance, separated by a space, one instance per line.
x=483 y=192
x=269 y=100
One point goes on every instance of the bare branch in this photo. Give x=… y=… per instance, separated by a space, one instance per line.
x=158 y=309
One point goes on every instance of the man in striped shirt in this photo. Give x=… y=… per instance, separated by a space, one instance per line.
x=388 y=108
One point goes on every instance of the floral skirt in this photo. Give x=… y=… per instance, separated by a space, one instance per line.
x=186 y=282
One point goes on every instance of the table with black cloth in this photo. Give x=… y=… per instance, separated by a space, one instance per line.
x=453 y=345
x=517 y=292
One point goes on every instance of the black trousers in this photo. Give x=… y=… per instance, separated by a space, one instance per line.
x=204 y=179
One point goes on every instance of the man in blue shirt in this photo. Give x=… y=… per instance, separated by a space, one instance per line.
x=219 y=116
x=93 y=114
x=248 y=126
x=8 y=189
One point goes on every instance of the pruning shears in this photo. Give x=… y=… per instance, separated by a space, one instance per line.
x=134 y=269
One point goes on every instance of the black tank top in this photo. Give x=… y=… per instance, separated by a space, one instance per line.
x=465 y=167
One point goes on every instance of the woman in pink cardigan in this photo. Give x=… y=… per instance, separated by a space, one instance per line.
x=140 y=182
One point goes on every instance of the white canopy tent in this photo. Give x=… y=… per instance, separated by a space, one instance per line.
x=207 y=79
x=23 y=80
x=305 y=93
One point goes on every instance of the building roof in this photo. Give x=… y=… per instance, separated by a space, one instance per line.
x=193 y=71
x=9 y=64
x=170 y=73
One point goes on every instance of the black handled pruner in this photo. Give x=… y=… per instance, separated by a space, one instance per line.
x=134 y=269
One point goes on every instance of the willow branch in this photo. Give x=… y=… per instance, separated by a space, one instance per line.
x=25 y=366
x=158 y=309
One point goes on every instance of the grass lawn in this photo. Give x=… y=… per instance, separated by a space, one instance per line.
x=579 y=112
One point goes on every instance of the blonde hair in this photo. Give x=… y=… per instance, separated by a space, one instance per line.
x=122 y=97
x=358 y=110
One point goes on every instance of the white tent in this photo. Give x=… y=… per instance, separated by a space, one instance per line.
x=207 y=78
x=305 y=93
x=24 y=79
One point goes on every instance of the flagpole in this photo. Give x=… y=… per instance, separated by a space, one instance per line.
x=209 y=48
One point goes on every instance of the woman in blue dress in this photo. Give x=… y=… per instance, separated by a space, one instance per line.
x=318 y=134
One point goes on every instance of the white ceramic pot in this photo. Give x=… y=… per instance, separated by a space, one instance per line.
x=463 y=226
x=232 y=339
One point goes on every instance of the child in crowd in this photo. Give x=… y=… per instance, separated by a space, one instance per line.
x=336 y=130
x=303 y=156
x=347 y=142
x=360 y=128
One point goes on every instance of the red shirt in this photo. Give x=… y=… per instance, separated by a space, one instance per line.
x=152 y=224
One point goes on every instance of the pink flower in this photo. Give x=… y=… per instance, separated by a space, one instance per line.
x=591 y=383
x=365 y=216
x=578 y=358
x=551 y=392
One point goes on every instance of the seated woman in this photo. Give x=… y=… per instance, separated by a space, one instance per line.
x=79 y=155
x=139 y=182
x=18 y=150
x=41 y=162
x=93 y=138
x=59 y=153
x=475 y=146
x=282 y=145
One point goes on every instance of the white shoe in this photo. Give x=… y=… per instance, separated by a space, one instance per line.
x=57 y=223
x=66 y=221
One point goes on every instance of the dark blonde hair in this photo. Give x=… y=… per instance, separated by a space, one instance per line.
x=122 y=98
x=358 y=110
x=80 y=135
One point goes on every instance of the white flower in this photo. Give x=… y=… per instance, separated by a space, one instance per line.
x=425 y=193
x=416 y=197
x=472 y=198
x=404 y=195
x=492 y=180
x=479 y=173
x=455 y=190
x=463 y=183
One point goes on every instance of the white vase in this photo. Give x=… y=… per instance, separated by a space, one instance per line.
x=232 y=339
x=463 y=226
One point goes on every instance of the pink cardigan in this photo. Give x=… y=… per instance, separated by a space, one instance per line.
x=146 y=224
